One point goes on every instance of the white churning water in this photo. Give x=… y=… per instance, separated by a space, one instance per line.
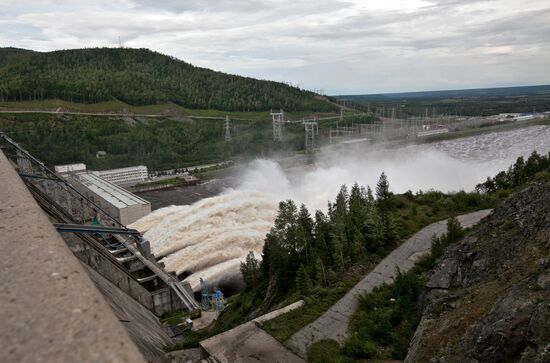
x=210 y=238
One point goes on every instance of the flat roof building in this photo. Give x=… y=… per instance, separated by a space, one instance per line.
x=119 y=203
x=70 y=168
x=123 y=176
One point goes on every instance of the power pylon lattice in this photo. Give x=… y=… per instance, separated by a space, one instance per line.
x=227 y=128
x=278 y=118
x=312 y=129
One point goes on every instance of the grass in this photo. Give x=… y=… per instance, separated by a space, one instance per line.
x=324 y=351
x=416 y=211
x=173 y=318
x=384 y=323
x=385 y=320
x=320 y=299
x=236 y=309
x=387 y=317
x=117 y=106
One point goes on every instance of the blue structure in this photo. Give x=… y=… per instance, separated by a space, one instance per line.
x=214 y=300
x=219 y=301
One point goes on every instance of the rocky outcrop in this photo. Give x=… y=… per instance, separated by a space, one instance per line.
x=489 y=297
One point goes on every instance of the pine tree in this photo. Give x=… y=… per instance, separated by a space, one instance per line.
x=370 y=196
x=320 y=272
x=303 y=282
x=454 y=230
x=384 y=204
x=305 y=233
x=322 y=238
x=357 y=205
x=383 y=194
x=341 y=205
x=337 y=243
x=250 y=269
x=389 y=232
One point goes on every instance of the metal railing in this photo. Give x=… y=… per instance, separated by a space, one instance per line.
x=76 y=208
x=64 y=194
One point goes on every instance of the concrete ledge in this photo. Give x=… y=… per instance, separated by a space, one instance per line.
x=249 y=343
x=50 y=310
x=272 y=315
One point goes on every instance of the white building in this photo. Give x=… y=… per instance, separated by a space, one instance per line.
x=70 y=168
x=117 y=202
x=122 y=176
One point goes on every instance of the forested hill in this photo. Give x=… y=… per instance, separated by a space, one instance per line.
x=140 y=77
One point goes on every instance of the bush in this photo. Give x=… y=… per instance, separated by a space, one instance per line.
x=324 y=351
x=357 y=348
x=386 y=319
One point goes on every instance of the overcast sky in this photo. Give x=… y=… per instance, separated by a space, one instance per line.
x=342 y=47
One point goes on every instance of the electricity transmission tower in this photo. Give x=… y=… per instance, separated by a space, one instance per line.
x=312 y=129
x=227 y=127
x=278 y=118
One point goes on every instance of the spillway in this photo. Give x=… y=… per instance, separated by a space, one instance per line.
x=209 y=238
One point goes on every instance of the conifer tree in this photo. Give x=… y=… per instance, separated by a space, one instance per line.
x=383 y=194
x=320 y=272
x=323 y=248
x=305 y=233
x=384 y=205
x=303 y=282
x=250 y=269
x=454 y=230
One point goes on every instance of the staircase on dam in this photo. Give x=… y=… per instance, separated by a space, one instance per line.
x=120 y=255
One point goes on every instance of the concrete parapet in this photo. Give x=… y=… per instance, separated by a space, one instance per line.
x=249 y=343
x=49 y=308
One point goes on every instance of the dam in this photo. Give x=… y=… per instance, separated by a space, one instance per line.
x=117 y=260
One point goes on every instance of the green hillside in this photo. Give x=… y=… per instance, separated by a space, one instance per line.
x=140 y=77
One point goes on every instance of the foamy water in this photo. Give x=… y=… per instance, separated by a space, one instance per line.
x=209 y=238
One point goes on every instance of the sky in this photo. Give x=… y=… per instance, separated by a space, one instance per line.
x=337 y=47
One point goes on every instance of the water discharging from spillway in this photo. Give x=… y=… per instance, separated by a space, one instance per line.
x=209 y=238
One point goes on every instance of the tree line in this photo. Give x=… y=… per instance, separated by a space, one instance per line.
x=301 y=251
x=140 y=77
x=517 y=174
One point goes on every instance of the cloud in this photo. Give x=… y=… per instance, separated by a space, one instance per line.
x=346 y=46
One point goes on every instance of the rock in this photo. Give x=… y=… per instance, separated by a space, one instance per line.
x=489 y=297
x=503 y=332
x=417 y=338
x=543 y=281
x=444 y=275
